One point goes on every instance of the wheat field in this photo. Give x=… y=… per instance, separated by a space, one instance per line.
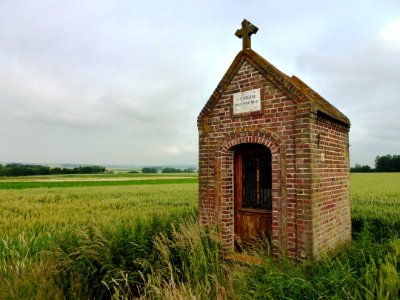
x=141 y=240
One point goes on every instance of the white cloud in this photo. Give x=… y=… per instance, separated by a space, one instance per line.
x=173 y=150
x=391 y=31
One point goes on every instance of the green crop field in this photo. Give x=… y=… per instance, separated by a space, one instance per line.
x=376 y=200
x=123 y=236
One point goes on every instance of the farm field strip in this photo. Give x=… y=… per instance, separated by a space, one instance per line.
x=37 y=206
x=47 y=211
x=118 y=176
x=69 y=179
x=74 y=182
x=376 y=196
x=97 y=176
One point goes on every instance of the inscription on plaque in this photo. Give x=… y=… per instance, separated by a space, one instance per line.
x=246 y=102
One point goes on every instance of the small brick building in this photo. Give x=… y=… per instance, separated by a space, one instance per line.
x=273 y=160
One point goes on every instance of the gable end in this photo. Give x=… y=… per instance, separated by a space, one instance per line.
x=293 y=87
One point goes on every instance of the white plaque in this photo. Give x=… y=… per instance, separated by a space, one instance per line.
x=246 y=102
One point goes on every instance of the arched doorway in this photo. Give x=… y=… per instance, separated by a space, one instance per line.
x=253 y=191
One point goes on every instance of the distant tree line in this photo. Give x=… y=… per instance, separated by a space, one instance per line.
x=28 y=170
x=386 y=163
x=173 y=170
x=361 y=169
x=147 y=170
x=167 y=170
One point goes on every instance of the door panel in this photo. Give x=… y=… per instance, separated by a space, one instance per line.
x=250 y=226
x=253 y=196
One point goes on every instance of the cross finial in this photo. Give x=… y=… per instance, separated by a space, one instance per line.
x=245 y=32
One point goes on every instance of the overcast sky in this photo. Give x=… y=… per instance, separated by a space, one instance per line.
x=122 y=82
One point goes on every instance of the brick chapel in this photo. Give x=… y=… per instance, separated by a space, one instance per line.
x=273 y=160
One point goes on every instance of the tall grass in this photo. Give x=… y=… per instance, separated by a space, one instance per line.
x=34 y=221
x=190 y=264
x=369 y=269
x=183 y=261
x=101 y=262
x=159 y=258
x=144 y=242
x=365 y=271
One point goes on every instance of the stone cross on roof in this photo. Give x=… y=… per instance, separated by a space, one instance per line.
x=245 y=32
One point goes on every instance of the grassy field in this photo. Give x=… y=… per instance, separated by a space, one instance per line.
x=104 y=240
x=376 y=201
x=67 y=181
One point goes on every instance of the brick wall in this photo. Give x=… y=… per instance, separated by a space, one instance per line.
x=221 y=131
x=331 y=200
x=301 y=203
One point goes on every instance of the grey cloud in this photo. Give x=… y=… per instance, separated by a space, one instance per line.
x=363 y=83
x=107 y=82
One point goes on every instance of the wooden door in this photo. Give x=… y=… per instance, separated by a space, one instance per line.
x=253 y=192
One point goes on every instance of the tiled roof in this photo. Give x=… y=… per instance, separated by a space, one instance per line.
x=294 y=88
